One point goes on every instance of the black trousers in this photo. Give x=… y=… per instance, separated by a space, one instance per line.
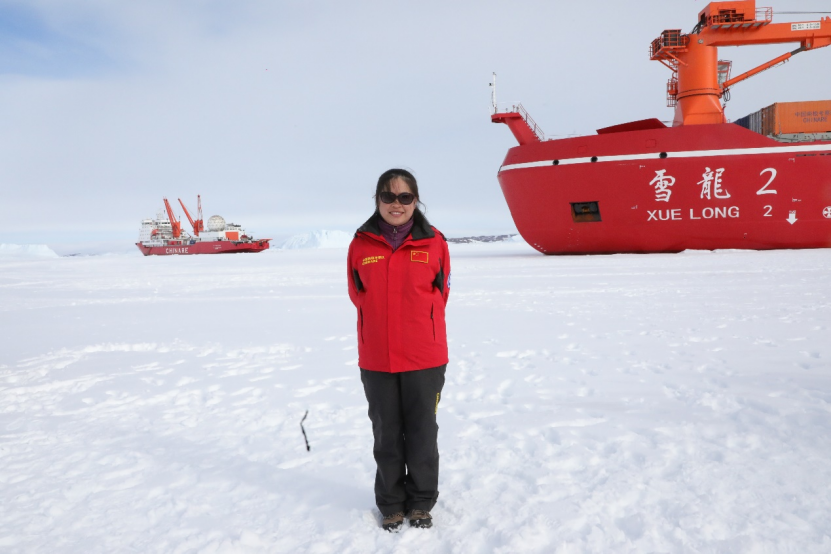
x=403 y=408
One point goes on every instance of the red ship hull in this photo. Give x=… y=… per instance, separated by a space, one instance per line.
x=668 y=190
x=206 y=247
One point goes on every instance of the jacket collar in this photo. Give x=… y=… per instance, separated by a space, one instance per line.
x=421 y=227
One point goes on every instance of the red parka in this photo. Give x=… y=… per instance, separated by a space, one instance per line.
x=400 y=297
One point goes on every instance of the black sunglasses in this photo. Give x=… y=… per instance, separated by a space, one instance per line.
x=405 y=198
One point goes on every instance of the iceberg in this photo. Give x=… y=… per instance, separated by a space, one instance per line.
x=318 y=239
x=26 y=251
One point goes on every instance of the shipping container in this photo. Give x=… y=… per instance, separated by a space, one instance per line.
x=744 y=122
x=752 y=122
x=790 y=118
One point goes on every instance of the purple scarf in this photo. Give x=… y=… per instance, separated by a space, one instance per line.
x=395 y=235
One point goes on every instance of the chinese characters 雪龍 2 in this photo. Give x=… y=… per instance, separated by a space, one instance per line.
x=711 y=184
x=662 y=182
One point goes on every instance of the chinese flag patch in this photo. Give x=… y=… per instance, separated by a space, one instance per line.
x=419 y=256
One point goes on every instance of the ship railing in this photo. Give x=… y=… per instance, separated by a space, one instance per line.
x=667 y=44
x=764 y=14
x=672 y=92
x=517 y=107
x=732 y=19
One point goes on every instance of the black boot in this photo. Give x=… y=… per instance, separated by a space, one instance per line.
x=393 y=522
x=421 y=519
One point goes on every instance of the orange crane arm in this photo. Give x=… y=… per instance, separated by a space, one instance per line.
x=175 y=224
x=700 y=81
x=756 y=70
x=192 y=222
x=809 y=34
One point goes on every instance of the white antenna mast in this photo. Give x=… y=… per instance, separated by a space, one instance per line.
x=493 y=93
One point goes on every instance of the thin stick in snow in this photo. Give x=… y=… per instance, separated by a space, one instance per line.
x=308 y=448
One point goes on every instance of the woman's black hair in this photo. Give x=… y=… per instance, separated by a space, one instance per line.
x=385 y=185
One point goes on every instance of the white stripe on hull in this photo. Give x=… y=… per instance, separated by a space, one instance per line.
x=671 y=155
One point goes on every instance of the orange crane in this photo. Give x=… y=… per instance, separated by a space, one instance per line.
x=175 y=224
x=196 y=224
x=699 y=80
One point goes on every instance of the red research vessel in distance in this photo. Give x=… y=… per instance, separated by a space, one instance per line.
x=163 y=236
x=763 y=182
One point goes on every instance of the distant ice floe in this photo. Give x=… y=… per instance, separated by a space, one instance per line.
x=318 y=239
x=26 y=251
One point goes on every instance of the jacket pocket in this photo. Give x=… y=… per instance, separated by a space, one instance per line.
x=361 y=325
x=433 y=321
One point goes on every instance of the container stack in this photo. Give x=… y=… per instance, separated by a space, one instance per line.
x=791 y=121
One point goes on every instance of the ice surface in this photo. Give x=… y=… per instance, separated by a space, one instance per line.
x=602 y=404
x=318 y=239
x=26 y=251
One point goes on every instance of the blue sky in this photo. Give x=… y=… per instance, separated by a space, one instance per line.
x=282 y=114
x=32 y=45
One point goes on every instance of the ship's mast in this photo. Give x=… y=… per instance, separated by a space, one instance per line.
x=199 y=213
x=493 y=94
x=699 y=80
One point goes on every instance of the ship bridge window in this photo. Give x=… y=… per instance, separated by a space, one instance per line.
x=584 y=212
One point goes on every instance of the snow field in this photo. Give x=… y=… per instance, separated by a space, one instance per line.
x=661 y=403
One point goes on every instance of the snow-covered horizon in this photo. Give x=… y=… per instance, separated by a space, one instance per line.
x=308 y=240
x=321 y=238
x=626 y=403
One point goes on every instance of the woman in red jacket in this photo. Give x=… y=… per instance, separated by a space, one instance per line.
x=399 y=281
